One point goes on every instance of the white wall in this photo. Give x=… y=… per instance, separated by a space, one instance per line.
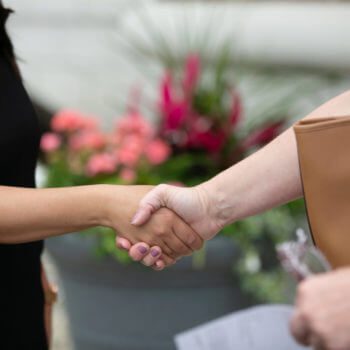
x=73 y=56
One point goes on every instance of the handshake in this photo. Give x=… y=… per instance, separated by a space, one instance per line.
x=171 y=222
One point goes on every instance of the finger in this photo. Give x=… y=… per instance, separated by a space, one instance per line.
x=138 y=251
x=166 y=260
x=177 y=247
x=122 y=243
x=153 y=200
x=187 y=235
x=159 y=265
x=300 y=329
x=153 y=255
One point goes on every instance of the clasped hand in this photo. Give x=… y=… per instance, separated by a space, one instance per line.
x=172 y=237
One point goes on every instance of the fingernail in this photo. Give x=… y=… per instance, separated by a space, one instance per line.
x=142 y=249
x=155 y=252
x=136 y=218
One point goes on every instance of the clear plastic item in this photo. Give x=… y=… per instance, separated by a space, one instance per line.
x=300 y=258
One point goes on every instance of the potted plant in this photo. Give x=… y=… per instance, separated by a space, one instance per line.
x=200 y=131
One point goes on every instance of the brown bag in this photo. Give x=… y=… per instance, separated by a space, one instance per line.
x=324 y=156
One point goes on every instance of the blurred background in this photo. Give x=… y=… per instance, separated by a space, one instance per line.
x=133 y=92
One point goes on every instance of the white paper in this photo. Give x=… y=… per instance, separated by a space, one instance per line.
x=258 y=328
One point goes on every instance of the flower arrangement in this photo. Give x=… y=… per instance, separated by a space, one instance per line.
x=200 y=130
x=85 y=154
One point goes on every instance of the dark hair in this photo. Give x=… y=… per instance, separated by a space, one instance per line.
x=6 y=46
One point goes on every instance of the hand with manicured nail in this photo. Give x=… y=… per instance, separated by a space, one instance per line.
x=191 y=204
x=165 y=237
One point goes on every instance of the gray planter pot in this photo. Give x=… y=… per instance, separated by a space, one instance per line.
x=111 y=306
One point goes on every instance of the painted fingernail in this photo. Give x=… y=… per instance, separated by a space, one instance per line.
x=142 y=249
x=155 y=252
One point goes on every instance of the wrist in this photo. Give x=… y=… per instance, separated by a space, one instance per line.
x=120 y=203
x=221 y=207
x=106 y=199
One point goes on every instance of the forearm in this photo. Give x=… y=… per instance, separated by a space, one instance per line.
x=268 y=178
x=32 y=214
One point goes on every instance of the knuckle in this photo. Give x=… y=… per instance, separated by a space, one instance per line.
x=180 y=248
x=167 y=216
x=161 y=188
x=320 y=329
x=306 y=313
x=160 y=232
x=194 y=242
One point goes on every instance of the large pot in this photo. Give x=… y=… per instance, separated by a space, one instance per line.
x=111 y=306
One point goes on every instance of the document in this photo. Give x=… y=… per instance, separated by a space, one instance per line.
x=258 y=328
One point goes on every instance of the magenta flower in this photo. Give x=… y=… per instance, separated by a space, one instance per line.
x=236 y=110
x=50 y=142
x=166 y=92
x=192 y=73
x=263 y=135
x=173 y=109
x=212 y=141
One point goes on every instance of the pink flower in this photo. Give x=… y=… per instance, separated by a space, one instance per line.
x=134 y=124
x=69 y=121
x=130 y=150
x=102 y=163
x=50 y=142
x=89 y=140
x=157 y=151
x=192 y=73
x=128 y=175
x=128 y=156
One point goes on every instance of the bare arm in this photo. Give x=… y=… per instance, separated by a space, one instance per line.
x=268 y=178
x=32 y=214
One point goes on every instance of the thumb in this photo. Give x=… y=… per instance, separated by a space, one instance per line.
x=154 y=200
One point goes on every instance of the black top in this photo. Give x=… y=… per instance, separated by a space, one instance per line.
x=21 y=295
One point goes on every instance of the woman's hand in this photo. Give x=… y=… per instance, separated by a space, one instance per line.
x=322 y=311
x=165 y=231
x=191 y=204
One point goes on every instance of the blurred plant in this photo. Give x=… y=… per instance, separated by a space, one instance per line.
x=211 y=124
x=78 y=152
x=198 y=134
